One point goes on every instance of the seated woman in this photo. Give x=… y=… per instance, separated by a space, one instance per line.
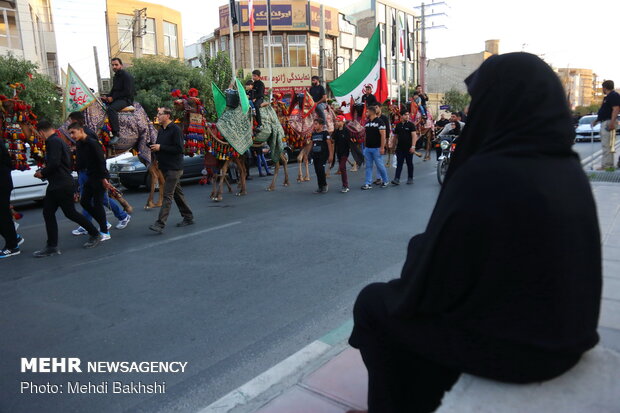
x=505 y=282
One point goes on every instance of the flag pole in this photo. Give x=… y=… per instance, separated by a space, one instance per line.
x=232 y=40
x=251 y=24
x=269 y=49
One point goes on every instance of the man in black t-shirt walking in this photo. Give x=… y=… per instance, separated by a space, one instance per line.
x=405 y=147
x=375 y=147
x=320 y=154
x=317 y=91
x=607 y=116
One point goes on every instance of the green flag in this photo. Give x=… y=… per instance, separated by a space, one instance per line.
x=77 y=95
x=219 y=99
x=243 y=97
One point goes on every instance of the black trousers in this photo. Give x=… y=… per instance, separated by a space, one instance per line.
x=7 y=228
x=319 y=168
x=401 y=157
x=112 y=112
x=63 y=198
x=399 y=379
x=257 y=104
x=92 y=201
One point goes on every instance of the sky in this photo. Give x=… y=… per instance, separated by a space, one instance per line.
x=563 y=33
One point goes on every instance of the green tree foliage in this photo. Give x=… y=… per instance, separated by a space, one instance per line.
x=457 y=100
x=586 y=110
x=41 y=93
x=156 y=77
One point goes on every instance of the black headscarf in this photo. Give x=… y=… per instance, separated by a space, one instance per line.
x=512 y=249
x=518 y=106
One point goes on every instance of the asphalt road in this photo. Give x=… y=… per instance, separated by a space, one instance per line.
x=255 y=280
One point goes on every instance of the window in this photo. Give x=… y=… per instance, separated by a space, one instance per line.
x=149 y=42
x=170 y=40
x=9 y=33
x=125 y=32
x=393 y=71
x=224 y=43
x=328 y=57
x=297 y=50
x=314 y=51
x=276 y=50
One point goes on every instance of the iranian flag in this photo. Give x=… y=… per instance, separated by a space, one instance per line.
x=368 y=69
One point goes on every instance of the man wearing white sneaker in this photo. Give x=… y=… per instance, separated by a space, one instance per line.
x=90 y=157
x=7 y=227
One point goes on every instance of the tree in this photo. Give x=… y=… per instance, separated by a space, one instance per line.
x=156 y=77
x=457 y=100
x=43 y=95
x=586 y=110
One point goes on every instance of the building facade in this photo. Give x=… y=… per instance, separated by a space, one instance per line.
x=206 y=47
x=27 y=31
x=447 y=73
x=298 y=49
x=139 y=29
x=580 y=86
x=400 y=28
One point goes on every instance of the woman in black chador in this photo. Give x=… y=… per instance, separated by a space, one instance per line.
x=505 y=282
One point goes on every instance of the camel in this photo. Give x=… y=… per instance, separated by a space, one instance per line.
x=299 y=128
x=137 y=134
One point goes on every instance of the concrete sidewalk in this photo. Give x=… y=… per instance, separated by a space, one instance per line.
x=329 y=377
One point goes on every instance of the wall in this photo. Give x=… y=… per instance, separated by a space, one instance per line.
x=447 y=73
x=155 y=11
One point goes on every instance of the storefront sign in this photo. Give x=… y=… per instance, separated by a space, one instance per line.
x=286 y=79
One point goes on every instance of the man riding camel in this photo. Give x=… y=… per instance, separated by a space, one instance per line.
x=120 y=96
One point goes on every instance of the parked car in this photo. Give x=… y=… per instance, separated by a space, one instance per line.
x=132 y=173
x=585 y=132
x=27 y=188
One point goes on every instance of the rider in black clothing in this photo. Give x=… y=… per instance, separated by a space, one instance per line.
x=258 y=92
x=120 y=96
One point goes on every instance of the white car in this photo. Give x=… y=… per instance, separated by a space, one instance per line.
x=28 y=188
x=585 y=132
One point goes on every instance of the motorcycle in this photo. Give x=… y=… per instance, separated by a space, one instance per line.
x=447 y=144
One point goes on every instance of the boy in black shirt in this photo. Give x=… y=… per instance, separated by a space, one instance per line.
x=319 y=154
x=258 y=91
x=405 y=147
x=342 y=141
x=90 y=157
x=59 y=192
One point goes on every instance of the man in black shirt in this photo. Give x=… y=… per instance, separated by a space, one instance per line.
x=258 y=94
x=375 y=147
x=342 y=142
x=607 y=116
x=320 y=154
x=89 y=157
x=368 y=98
x=169 y=151
x=7 y=227
x=120 y=96
x=317 y=91
x=405 y=147
x=59 y=192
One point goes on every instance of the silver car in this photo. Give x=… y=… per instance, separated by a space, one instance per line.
x=585 y=132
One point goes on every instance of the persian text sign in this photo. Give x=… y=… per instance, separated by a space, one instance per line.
x=286 y=78
x=77 y=96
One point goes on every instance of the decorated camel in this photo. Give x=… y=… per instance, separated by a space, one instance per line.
x=227 y=141
x=18 y=128
x=297 y=119
x=137 y=134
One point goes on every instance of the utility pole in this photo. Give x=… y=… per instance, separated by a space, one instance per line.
x=423 y=28
x=138 y=32
x=99 y=85
x=322 y=46
x=232 y=41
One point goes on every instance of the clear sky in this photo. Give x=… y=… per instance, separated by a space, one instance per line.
x=564 y=33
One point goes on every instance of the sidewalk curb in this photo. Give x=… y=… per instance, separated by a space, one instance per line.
x=271 y=383
x=595 y=156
